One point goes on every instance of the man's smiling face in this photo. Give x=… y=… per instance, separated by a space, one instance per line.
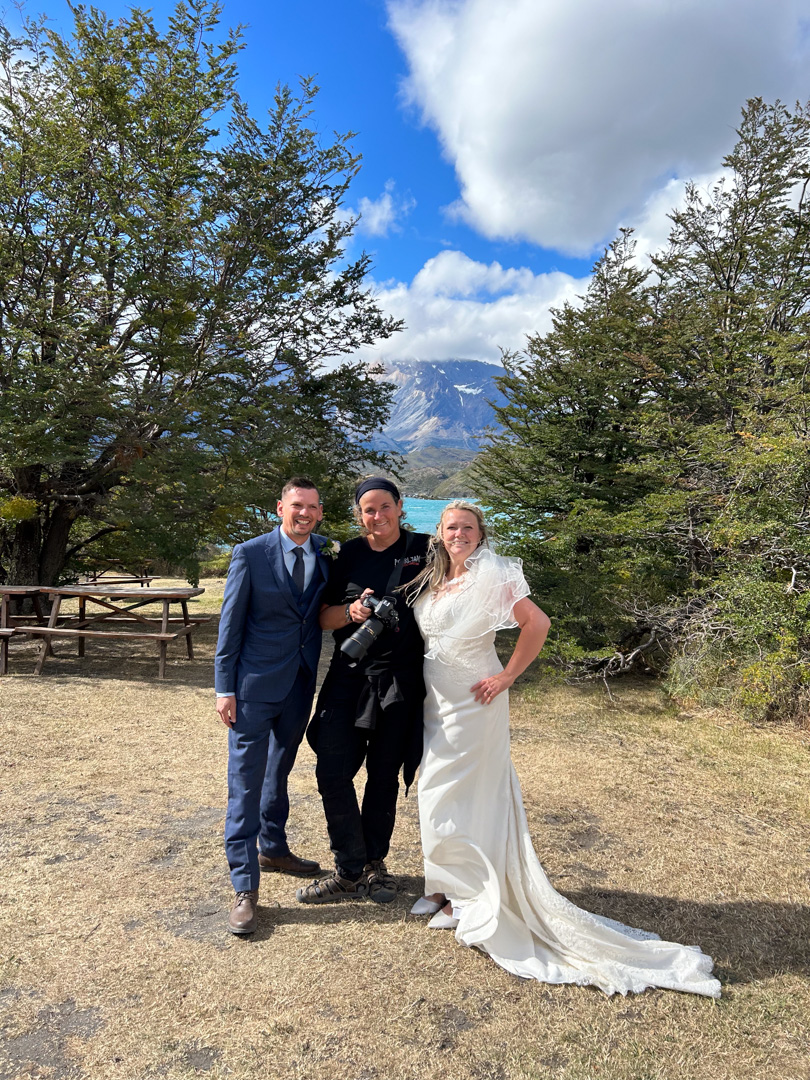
x=300 y=511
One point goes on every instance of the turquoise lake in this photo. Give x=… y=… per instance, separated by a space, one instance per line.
x=423 y=514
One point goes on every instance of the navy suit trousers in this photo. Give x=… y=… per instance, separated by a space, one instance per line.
x=262 y=749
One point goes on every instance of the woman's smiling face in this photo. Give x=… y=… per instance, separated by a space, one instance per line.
x=380 y=513
x=461 y=534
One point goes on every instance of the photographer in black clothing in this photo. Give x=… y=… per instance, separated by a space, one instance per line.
x=369 y=709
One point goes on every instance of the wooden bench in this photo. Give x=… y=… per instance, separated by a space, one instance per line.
x=80 y=634
x=5 y=634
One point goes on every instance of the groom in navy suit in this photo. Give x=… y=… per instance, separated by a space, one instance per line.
x=266 y=662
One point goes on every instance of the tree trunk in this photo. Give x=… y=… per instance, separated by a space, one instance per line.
x=53 y=556
x=23 y=568
x=36 y=559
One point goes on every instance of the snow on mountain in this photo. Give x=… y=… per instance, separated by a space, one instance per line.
x=439 y=403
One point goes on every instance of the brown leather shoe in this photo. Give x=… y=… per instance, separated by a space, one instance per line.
x=242 y=919
x=288 y=864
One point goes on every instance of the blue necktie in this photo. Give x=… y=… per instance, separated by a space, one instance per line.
x=298 y=569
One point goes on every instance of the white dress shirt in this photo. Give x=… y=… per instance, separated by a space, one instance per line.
x=288 y=546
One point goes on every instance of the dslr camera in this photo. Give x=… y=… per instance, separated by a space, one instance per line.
x=384 y=617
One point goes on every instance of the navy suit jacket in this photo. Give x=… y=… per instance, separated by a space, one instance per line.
x=263 y=634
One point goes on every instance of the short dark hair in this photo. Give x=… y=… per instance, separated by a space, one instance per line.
x=300 y=482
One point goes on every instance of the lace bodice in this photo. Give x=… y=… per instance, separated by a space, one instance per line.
x=459 y=621
x=436 y=614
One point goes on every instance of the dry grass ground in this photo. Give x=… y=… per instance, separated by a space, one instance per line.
x=116 y=963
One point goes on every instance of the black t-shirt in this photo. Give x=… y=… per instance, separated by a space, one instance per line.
x=359 y=567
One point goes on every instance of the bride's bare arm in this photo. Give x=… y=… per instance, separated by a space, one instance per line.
x=534 y=625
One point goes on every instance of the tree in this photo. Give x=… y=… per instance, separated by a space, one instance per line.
x=561 y=469
x=657 y=443
x=732 y=434
x=168 y=295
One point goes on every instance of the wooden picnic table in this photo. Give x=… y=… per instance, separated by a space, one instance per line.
x=118 y=566
x=113 y=601
x=127 y=579
x=10 y=594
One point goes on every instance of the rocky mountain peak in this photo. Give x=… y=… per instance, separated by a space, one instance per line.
x=442 y=403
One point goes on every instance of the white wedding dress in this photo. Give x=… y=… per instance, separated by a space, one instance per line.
x=475 y=836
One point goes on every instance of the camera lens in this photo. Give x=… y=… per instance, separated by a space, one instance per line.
x=362 y=639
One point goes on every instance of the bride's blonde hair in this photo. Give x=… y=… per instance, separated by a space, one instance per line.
x=438 y=561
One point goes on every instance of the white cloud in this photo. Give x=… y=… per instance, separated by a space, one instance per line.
x=563 y=118
x=458 y=308
x=379 y=216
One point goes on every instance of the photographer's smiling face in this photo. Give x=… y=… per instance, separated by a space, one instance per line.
x=380 y=513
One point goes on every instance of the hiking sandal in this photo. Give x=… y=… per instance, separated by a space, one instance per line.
x=328 y=890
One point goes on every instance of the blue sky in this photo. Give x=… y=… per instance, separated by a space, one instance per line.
x=505 y=143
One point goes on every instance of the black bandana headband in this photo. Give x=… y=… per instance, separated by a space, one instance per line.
x=375 y=483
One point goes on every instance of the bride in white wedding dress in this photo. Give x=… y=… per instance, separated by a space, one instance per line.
x=481 y=870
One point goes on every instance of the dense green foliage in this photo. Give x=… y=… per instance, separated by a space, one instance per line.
x=654 y=469
x=168 y=294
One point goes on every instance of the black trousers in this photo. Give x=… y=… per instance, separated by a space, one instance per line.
x=359 y=835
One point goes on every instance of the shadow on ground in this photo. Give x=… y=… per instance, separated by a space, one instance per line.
x=776 y=938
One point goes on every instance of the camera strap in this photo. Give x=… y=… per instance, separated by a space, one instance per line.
x=396 y=573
